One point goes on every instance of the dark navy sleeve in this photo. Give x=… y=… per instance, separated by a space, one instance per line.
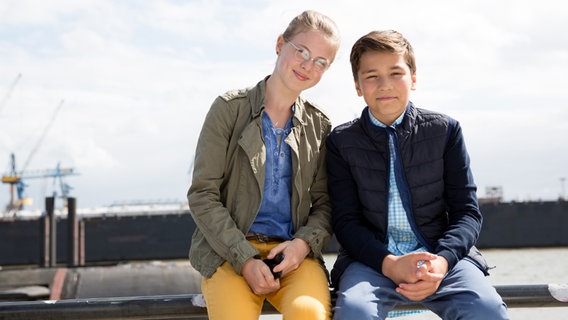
x=464 y=216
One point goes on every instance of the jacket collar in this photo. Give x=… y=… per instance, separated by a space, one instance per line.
x=372 y=130
x=256 y=99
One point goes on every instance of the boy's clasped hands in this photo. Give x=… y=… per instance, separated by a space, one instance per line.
x=417 y=275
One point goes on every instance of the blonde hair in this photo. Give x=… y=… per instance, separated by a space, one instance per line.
x=313 y=20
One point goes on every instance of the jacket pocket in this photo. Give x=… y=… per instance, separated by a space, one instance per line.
x=478 y=260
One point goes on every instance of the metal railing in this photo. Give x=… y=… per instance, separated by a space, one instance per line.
x=192 y=306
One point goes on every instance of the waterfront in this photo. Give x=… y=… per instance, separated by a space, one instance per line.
x=514 y=266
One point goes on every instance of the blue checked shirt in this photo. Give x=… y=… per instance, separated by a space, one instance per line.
x=401 y=238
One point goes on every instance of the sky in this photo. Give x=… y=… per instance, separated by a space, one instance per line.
x=118 y=89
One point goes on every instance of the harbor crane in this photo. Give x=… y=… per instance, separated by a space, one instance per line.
x=5 y=99
x=17 y=185
x=15 y=178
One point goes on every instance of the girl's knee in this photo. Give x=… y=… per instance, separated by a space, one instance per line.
x=307 y=308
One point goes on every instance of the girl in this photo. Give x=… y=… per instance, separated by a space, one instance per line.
x=259 y=188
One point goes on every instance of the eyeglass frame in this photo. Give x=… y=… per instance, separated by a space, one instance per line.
x=304 y=55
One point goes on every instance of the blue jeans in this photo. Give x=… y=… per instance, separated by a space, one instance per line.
x=464 y=293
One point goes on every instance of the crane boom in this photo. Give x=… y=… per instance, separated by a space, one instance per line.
x=15 y=177
x=43 y=134
x=9 y=93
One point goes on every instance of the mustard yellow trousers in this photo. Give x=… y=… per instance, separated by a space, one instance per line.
x=303 y=293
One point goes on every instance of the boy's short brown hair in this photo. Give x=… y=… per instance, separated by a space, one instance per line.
x=382 y=41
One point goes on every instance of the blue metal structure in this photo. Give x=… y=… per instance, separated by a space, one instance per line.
x=16 y=179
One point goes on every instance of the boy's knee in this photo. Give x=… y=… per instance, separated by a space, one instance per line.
x=482 y=308
x=358 y=309
x=492 y=309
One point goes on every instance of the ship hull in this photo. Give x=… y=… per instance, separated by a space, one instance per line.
x=149 y=236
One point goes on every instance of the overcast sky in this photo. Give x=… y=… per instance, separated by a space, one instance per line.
x=137 y=77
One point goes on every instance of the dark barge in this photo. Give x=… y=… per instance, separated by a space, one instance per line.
x=163 y=234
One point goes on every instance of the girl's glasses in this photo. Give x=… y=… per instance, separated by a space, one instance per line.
x=320 y=64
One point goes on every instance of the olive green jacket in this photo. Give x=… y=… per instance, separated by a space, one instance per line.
x=228 y=179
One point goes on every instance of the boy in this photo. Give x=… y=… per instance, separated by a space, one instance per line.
x=404 y=201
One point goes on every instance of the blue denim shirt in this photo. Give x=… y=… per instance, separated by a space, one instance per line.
x=274 y=217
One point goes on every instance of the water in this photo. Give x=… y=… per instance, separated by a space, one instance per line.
x=512 y=267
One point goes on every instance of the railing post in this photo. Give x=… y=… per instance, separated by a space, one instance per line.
x=72 y=234
x=44 y=241
x=82 y=242
x=50 y=208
